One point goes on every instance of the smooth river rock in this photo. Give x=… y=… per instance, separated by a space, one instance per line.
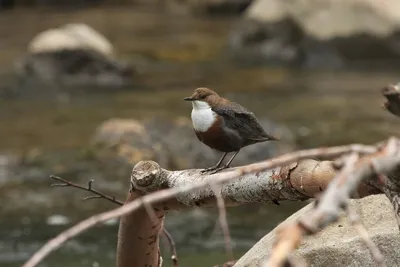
x=326 y=33
x=73 y=54
x=339 y=244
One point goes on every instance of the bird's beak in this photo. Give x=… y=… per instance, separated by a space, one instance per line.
x=188 y=98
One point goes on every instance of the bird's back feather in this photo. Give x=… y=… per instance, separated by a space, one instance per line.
x=242 y=120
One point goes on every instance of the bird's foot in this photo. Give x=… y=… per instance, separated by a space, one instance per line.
x=209 y=169
x=216 y=169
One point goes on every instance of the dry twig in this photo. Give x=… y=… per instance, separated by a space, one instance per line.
x=172 y=248
x=89 y=188
x=223 y=221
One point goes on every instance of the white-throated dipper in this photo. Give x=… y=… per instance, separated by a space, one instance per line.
x=224 y=125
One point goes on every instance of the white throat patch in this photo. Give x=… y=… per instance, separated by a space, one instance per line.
x=202 y=116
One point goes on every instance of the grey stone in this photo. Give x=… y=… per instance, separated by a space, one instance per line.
x=73 y=55
x=339 y=244
x=323 y=33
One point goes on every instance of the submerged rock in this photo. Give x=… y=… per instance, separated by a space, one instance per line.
x=327 y=33
x=174 y=145
x=73 y=54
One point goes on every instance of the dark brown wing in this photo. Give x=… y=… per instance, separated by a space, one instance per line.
x=242 y=120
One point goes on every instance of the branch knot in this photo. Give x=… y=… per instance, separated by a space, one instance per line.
x=144 y=175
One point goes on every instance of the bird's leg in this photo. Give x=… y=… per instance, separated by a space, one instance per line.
x=226 y=165
x=216 y=166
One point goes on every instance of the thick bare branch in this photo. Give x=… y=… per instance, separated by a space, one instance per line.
x=145 y=173
x=297 y=181
x=138 y=236
x=334 y=199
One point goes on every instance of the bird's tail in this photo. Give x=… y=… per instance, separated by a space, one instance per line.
x=266 y=137
x=272 y=138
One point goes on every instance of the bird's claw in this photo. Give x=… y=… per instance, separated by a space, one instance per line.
x=208 y=169
x=213 y=170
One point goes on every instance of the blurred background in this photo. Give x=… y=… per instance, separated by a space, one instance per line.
x=89 y=88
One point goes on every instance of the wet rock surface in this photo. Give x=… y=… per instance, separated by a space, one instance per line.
x=330 y=33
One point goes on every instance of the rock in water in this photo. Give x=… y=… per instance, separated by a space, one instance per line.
x=73 y=54
x=339 y=244
x=323 y=33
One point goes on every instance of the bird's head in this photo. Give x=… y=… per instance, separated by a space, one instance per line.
x=203 y=95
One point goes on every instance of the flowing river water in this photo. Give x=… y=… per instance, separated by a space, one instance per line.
x=173 y=54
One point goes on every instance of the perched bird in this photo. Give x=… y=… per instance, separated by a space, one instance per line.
x=224 y=125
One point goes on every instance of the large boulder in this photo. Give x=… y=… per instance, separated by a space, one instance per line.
x=339 y=244
x=173 y=144
x=73 y=54
x=323 y=33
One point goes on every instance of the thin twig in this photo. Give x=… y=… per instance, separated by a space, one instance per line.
x=355 y=220
x=158 y=196
x=223 y=222
x=172 y=248
x=91 y=197
x=89 y=188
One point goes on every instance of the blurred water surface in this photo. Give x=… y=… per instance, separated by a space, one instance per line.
x=173 y=55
